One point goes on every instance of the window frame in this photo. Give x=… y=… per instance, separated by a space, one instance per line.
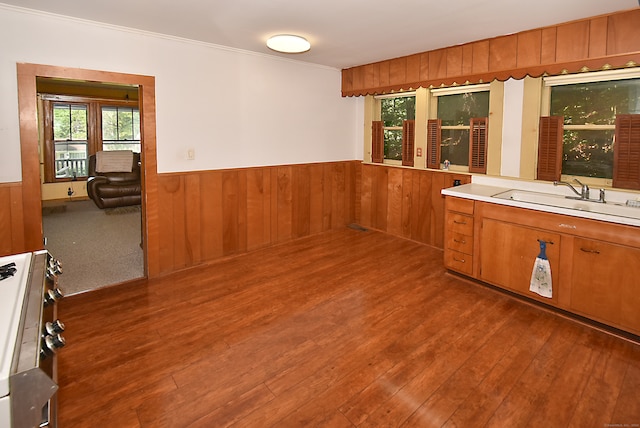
x=549 y=82
x=434 y=93
x=94 y=128
x=378 y=106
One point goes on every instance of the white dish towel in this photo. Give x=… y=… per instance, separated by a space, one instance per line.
x=541 y=275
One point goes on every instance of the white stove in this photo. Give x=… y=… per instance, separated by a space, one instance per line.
x=29 y=339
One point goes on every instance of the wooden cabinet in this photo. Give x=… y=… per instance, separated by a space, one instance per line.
x=508 y=253
x=606 y=283
x=459 y=225
x=595 y=265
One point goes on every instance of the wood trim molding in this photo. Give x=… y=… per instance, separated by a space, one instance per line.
x=31 y=191
x=597 y=43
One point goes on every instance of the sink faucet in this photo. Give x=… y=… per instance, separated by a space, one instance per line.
x=584 y=190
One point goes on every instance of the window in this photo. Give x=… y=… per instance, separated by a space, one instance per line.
x=77 y=127
x=588 y=107
x=70 y=140
x=393 y=136
x=120 y=128
x=459 y=134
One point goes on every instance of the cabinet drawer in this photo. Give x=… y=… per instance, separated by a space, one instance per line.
x=458 y=261
x=460 y=223
x=460 y=242
x=464 y=206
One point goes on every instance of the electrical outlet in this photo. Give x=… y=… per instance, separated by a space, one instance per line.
x=69 y=192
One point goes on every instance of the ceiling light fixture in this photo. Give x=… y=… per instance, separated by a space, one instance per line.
x=288 y=43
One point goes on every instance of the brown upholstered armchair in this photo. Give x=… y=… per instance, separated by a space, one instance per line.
x=115 y=189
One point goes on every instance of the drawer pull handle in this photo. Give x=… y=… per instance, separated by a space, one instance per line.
x=546 y=242
x=459 y=241
x=588 y=250
x=459 y=222
x=459 y=260
x=567 y=226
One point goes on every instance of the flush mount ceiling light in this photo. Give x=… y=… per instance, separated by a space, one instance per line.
x=288 y=43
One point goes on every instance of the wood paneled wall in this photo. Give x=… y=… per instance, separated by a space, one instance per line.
x=405 y=202
x=11 y=219
x=210 y=214
x=204 y=215
x=608 y=41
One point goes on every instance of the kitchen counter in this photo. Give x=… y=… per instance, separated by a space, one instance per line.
x=485 y=188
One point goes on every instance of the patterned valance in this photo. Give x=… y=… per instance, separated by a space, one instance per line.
x=597 y=43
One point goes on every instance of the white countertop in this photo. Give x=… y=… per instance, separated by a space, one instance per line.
x=484 y=188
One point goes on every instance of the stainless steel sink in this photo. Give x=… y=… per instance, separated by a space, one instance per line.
x=561 y=201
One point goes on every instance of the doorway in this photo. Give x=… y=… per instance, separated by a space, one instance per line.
x=99 y=245
x=31 y=161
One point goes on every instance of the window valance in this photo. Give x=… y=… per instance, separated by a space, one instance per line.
x=598 y=43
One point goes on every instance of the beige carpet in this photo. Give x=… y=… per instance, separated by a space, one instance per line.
x=96 y=248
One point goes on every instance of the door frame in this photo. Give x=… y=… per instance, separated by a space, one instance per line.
x=31 y=180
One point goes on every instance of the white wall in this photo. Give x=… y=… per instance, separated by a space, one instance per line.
x=233 y=108
x=512 y=127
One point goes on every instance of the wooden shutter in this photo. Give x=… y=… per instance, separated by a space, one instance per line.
x=377 y=142
x=550 y=148
x=434 y=140
x=478 y=145
x=408 y=141
x=626 y=152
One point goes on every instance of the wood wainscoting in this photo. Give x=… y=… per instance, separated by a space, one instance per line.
x=11 y=219
x=406 y=202
x=205 y=215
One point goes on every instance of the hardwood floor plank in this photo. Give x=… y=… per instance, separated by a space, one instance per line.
x=598 y=400
x=455 y=390
x=500 y=380
x=440 y=363
x=344 y=328
x=627 y=410
x=526 y=396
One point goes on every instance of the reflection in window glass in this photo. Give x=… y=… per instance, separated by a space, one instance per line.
x=456 y=112
x=70 y=140
x=589 y=111
x=455 y=146
x=120 y=128
x=394 y=111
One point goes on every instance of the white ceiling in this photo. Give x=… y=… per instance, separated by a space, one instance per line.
x=343 y=33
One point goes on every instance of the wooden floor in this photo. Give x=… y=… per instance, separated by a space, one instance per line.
x=343 y=329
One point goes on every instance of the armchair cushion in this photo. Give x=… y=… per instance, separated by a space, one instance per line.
x=115 y=189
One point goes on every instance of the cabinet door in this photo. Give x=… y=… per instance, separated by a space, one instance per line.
x=508 y=253
x=606 y=283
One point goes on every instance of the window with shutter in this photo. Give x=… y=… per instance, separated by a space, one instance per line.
x=596 y=137
x=377 y=142
x=550 y=148
x=626 y=159
x=408 y=141
x=478 y=145
x=395 y=111
x=433 y=143
x=456 y=107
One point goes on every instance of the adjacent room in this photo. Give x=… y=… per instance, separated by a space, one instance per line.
x=334 y=214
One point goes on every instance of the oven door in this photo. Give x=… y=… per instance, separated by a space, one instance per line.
x=33 y=399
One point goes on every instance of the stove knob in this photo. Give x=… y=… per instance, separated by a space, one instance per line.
x=53 y=343
x=55 y=266
x=55 y=327
x=52 y=296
